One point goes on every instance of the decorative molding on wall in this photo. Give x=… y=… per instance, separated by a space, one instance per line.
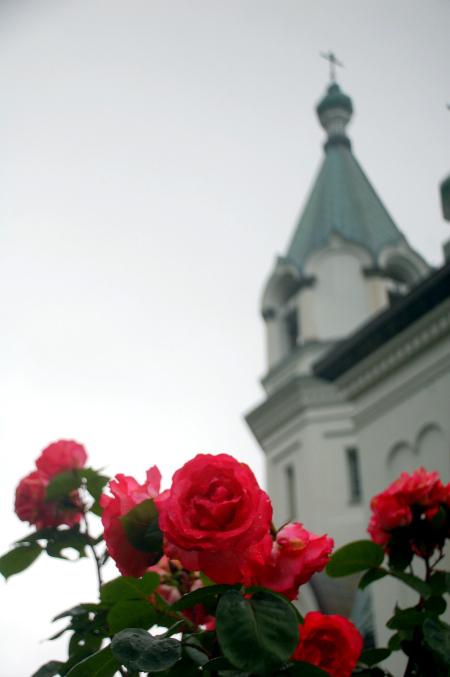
x=400 y=350
x=302 y=394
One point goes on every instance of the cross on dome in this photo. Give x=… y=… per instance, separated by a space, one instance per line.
x=333 y=61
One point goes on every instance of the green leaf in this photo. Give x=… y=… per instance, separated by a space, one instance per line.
x=440 y=583
x=94 y=482
x=59 y=633
x=100 y=664
x=395 y=642
x=371 y=576
x=216 y=664
x=400 y=557
x=78 y=610
x=67 y=538
x=405 y=619
x=131 y=613
x=19 y=559
x=302 y=669
x=437 y=635
x=142 y=528
x=413 y=582
x=199 y=596
x=435 y=605
x=127 y=587
x=62 y=484
x=49 y=669
x=196 y=654
x=373 y=656
x=355 y=557
x=84 y=644
x=138 y=650
x=256 y=634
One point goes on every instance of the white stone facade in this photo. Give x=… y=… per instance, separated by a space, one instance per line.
x=332 y=442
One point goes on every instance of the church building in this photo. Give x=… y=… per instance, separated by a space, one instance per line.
x=357 y=386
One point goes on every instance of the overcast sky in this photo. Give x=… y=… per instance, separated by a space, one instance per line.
x=154 y=157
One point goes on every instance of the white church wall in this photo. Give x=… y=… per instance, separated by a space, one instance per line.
x=275 y=340
x=402 y=422
x=314 y=446
x=306 y=310
x=340 y=298
x=297 y=363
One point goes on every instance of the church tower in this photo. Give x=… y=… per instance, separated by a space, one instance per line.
x=347 y=261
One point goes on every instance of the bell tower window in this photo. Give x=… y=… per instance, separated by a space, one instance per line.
x=290 y=492
x=354 y=475
x=292 y=328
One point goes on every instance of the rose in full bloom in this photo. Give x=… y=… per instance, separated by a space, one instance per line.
x=61 y=456
x=214 y=514
x=126 y=494
x=329 y=642
x=296 y=555
x=404 y=512
x=31 y=506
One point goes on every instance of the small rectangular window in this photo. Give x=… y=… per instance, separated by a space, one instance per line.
x=292 y=328
x=290 y=492
x=354 y=475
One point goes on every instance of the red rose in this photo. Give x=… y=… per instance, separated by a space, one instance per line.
x=60 y=456
x=296 y=555
x=331 y=643
x=418 y=497
x=388 y=513
x=212 y=515
x=31 y=506
x=126 y=494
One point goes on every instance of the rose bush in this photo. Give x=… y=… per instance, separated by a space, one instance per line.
x=330 y=642
x=223 y=585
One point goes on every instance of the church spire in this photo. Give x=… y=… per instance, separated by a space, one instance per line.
x=335 y=110
x=342 y=200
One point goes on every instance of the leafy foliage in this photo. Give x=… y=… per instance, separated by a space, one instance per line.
x=19 y=559
x=138 y=650
x=256 y=634
x=355 y=557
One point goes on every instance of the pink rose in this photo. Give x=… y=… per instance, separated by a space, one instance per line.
x=126 y=494
x=296 y=555
x=31 y=506
x=212 y=515
x=331 y=643
x=60 y=456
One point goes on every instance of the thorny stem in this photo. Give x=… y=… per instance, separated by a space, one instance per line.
x=411 y=665
x=440 y=557
x=94 y=554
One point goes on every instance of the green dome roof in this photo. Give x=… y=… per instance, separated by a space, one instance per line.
x=334 y=98
x=342 y=199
